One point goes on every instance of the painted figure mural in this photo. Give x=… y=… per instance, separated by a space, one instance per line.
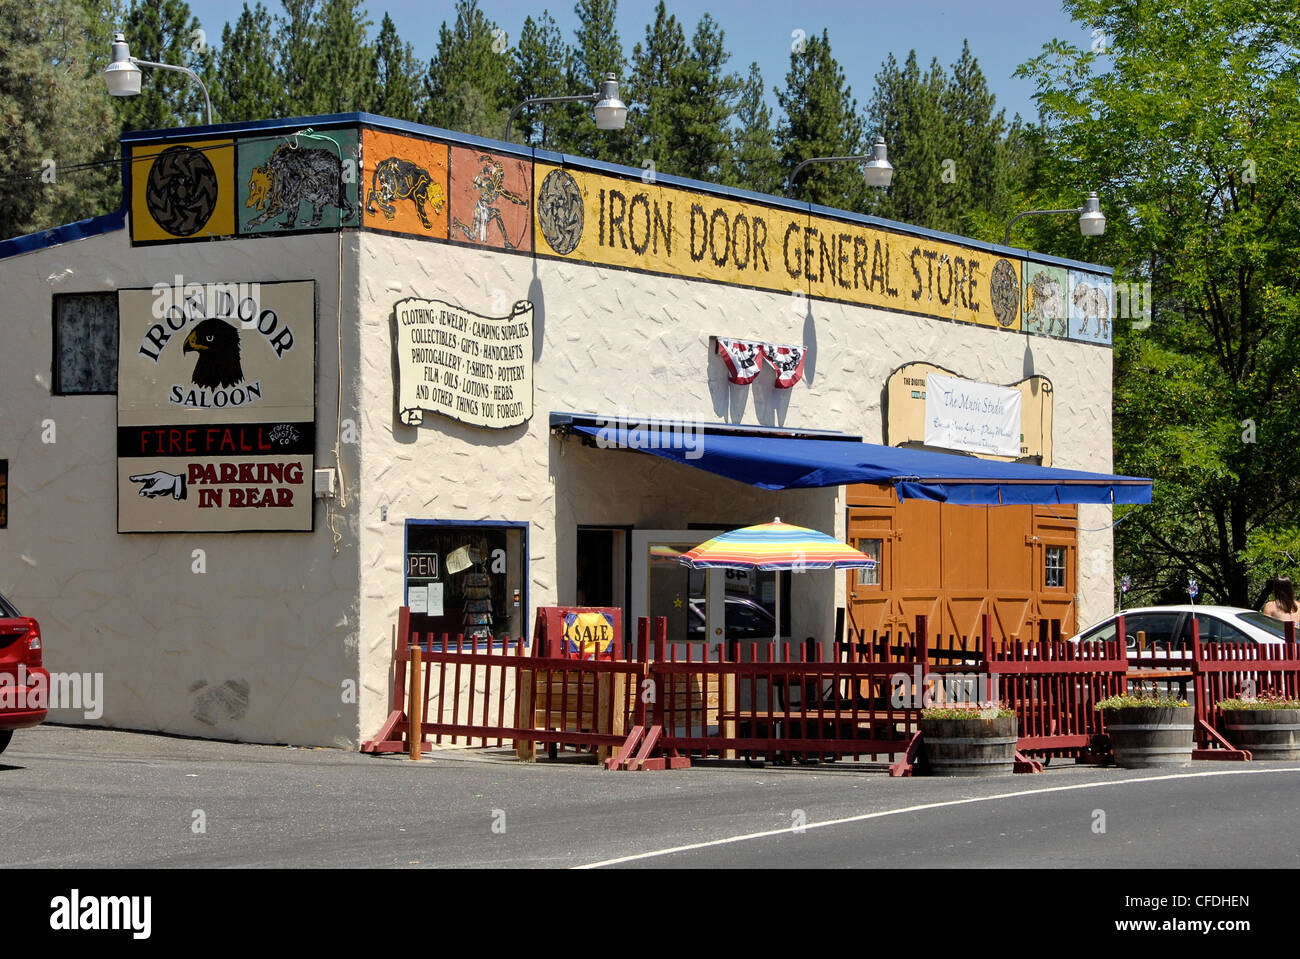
x=490 y=186
x=397 y=179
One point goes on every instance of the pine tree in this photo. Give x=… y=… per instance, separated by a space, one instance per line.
x=297 y=39
x=754 y=163
x=246 y=84
x=655 y=94
x=599 y=51
x=821 y=119
x=163 y=31
x=400 y=87
x=542 y=62
x=908 y=111
x=55 y=112
x=468 y=81
x=345 y=76
x=706 y=94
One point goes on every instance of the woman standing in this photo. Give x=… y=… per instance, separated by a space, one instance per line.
x=1283 y=605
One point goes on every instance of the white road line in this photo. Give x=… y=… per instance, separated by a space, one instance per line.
x=921 y=808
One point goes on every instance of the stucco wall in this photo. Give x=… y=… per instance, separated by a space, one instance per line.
x=274 y=614
x=610 y=340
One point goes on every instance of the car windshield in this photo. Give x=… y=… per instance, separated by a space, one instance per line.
x=1274 y=626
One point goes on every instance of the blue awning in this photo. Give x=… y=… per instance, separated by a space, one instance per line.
x=784 y=462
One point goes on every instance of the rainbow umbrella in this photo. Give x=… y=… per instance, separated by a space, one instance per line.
x=775 y=546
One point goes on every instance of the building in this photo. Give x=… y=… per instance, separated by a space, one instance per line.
x=319 y=368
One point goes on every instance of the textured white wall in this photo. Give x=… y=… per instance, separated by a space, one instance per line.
x=609 y=340
x=256 y=648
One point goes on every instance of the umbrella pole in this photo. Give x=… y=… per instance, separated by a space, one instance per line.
x=776 y=630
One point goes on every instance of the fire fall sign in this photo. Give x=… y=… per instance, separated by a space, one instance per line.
x=216 y=422
x=473 y=368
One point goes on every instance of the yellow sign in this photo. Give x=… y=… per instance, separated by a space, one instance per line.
x=183 y=191
x=905 y=412
x=645 y=226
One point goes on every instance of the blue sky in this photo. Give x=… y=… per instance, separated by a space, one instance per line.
x=1002 y=34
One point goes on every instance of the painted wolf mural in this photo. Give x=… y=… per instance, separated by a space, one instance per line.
x=1093 y=303
x=292 y=175
x=1047 y=303
x=398 y=179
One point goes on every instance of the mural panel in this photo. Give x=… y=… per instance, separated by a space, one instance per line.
x=1046 y=305
x=1090 y=299
x=182 y=191
x=491 y=199
x=405 y=184
x=297 y=182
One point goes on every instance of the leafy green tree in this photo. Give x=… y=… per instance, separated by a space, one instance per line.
x=754 y=162
x=821 y=119
x=542 y=62
x=468 y=81
x=400 y=89
x=1184 y=116
x=54 y=115
x=246 y=84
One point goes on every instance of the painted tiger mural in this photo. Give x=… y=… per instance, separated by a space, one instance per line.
x=398 y=179
x=291 y=176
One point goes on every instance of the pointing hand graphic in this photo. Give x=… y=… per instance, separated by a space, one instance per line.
x=160 y=483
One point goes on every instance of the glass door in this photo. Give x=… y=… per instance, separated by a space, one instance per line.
x=690 y=599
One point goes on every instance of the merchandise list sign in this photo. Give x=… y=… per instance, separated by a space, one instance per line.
x=473 y=368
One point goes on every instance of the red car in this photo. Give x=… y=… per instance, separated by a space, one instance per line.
x=24 y=684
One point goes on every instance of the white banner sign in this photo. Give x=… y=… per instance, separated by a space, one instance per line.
x=976 y=417
x=473 y=368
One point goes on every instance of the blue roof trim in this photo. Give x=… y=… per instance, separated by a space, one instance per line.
x=596 y=166
x=105 y=223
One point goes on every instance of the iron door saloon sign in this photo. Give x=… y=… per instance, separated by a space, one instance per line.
x=216 y=407
x=473 y=368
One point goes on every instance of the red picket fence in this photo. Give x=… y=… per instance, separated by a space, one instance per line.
x=758 y=700
x=859 y=697
x=1214 y=672
x=484 y=694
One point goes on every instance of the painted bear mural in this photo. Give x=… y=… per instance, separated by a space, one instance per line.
x=398 y=179
x=292 y=175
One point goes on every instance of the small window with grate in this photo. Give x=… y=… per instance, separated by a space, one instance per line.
x=1054 y=566
x=872 y=547
x=85 y=343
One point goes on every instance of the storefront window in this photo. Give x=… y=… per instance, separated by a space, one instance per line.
x=467 y=580
x=85 y=343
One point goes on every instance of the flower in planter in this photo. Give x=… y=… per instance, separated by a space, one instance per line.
x=989 y=710
x=1142 y=699
x=1265 y=700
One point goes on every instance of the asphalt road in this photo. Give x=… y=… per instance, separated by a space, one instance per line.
x=96 y=798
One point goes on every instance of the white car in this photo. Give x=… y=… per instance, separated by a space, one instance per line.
x=1168 y=629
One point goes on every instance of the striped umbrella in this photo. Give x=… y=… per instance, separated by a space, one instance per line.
x=775 y=546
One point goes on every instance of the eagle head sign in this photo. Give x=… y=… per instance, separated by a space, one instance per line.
x=216 y=407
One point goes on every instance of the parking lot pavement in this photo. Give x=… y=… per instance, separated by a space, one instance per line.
x=99 y=798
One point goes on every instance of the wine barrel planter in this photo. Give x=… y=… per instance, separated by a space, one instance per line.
x=970 y=747
x=1147 y=736
x=1267 y=733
